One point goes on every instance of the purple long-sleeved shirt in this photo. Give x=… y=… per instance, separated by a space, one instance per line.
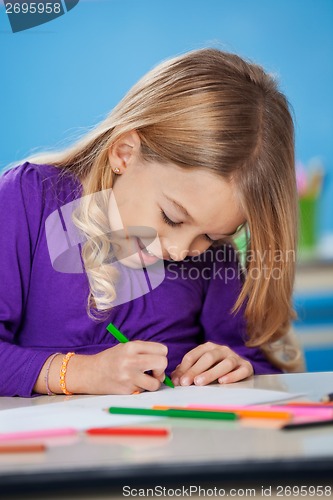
x=43 y=311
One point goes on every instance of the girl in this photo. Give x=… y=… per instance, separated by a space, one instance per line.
x=200 y=147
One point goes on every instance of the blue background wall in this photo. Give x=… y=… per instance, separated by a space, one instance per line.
x=67 y=74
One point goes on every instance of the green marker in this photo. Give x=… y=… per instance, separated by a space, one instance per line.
x=121 y=338
x=172 y=412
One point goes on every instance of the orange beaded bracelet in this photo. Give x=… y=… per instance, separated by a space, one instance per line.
x=63 y=370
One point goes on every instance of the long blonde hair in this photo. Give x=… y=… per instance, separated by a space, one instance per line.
x=213 y=110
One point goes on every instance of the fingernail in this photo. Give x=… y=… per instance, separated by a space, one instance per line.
x=223 y=380
x=185 y=381
x=176 y=381
x=199 y=381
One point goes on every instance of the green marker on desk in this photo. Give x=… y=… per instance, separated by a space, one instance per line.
x=172 y=412
x=121 y=338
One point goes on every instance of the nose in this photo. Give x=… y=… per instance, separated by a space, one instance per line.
x=178 y=248
x=177 y=254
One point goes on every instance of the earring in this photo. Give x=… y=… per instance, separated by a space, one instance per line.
x=116 y=170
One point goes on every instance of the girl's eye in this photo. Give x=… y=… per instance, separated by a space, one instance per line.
x=174 y=224
x=169 y=221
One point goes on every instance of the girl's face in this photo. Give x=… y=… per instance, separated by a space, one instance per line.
x=167 y=212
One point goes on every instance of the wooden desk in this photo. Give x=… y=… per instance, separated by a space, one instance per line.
x=199 y=452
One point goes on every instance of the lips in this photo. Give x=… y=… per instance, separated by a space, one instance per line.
x=144 y=248
x=146 y=252
x=146 y=255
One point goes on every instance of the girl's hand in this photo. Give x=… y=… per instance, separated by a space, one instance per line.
x=210 y=362
x=119 y=370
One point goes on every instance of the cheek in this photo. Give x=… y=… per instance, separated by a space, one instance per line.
x=198 y=246
x=140 y=215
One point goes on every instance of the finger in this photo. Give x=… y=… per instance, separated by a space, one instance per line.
x=175 y=376
x=218 y=371
x=207 y=361
x=147 y=382
x=143 y=347
x=150 y=362
x=160 y=375
x=192 y=356
x=244 y=371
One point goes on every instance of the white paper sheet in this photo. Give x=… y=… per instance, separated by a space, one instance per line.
x=87 y=411
x=182 y=396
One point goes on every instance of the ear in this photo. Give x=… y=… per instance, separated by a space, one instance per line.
x=124 y=150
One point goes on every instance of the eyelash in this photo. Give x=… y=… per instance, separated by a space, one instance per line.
x=169 y=221
x=175 y=224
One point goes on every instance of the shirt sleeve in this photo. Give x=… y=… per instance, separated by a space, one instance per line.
x=223 y=283
x=21 y=209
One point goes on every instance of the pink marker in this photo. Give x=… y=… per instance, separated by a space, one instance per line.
x=46 y=433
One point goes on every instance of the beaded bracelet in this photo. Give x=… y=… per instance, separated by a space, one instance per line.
x=46 y=378
x=63 y=370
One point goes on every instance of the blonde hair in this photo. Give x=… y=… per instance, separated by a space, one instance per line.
x=213 y=110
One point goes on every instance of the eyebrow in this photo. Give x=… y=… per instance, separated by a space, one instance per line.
x=185 y=212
